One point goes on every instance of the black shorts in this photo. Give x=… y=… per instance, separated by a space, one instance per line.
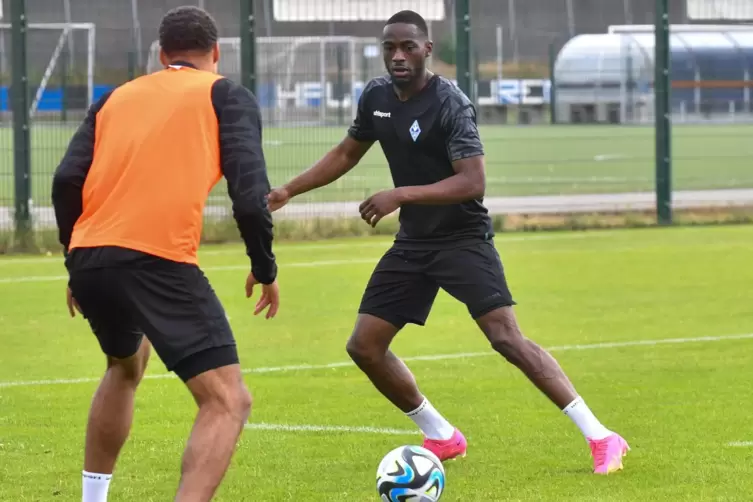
x=171 y=303
x=405 y=283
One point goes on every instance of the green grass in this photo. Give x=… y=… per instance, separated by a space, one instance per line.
x=520 y=160
x=678 y=405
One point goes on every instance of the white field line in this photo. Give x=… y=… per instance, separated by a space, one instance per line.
x=237 y=250
x=220 y=268
x=331 y=428
x=434 y=357
x=499 y=239
x=741 y=444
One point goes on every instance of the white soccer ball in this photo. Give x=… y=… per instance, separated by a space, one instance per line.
x=410 y=474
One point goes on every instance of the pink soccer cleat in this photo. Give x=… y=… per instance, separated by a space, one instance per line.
x=449 y=448
x=608 y=453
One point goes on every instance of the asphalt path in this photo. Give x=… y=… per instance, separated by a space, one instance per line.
x=44 y=217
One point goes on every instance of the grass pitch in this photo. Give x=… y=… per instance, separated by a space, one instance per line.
x=679 y=404
x=535 y=160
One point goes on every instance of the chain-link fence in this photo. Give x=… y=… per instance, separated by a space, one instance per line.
x=586 y=65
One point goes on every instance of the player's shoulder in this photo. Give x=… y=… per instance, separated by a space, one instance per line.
x=231 y=98
x=450 y=94
x=229 y=88
x=454 y=102
x=377 y=86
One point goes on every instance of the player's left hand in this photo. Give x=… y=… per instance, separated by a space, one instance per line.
x=72 y=303
x=379 y=205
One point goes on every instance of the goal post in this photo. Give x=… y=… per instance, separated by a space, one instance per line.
x=313 y=80
x=49 y=41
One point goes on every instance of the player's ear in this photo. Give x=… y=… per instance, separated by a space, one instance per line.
x=163 y=58
x=428 y=48
x=216 y=53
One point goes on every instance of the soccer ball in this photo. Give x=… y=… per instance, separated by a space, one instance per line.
x=410 y=474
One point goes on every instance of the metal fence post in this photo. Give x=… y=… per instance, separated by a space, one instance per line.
x=463 y=46
x=248 y=45
x=662 y=89
x=21 y=131
x=552 y=83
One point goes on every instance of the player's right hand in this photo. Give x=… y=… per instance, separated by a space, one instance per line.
x=270 y=296
x=72 y=303
x=277 y=198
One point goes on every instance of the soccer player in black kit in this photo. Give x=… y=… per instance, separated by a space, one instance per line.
x=427 y=129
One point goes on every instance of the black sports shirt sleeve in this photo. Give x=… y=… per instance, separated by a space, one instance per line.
x=362 y=128
x=70 y=175
x=245 y=170
x=458 y=122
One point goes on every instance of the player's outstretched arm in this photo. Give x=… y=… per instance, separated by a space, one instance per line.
x=245 y=169
x=70 y=175
x=335 y=164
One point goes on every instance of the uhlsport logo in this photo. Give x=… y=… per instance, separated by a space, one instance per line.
x=382 y=115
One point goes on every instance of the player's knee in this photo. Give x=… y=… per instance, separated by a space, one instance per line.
x=220 y=391
x=240 y=406
x=508 y=347
x=234 y=401
x=355 y=350
x=504 y=334
x=245 y=403
x=361 y=352
x=132 y=369
x=370 y=340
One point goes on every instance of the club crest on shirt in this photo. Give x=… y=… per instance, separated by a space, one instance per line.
x=415 y=130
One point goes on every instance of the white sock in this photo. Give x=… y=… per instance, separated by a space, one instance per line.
x=431 y=423
x=586 y=421
x=95 y=487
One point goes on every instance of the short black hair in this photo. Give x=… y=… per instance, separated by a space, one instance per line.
x=187 y=29
x=410 y=17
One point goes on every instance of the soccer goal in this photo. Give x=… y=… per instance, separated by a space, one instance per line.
x=58 y=54
x=302 y=80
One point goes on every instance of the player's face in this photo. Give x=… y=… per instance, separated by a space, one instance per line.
x=405 y=50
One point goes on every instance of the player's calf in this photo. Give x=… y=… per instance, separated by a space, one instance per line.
x=368 y=347
x=110 y=419
x=224 y=407
x=504 y=334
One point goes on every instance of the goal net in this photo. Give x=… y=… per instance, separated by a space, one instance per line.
x=302 y=80
x=60 y=66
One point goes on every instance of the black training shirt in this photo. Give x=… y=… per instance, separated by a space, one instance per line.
x=420 y=138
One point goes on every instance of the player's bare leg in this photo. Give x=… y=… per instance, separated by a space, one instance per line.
x=110 y=419
x=368 y=346
x=224 y=406
x=501 y=328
